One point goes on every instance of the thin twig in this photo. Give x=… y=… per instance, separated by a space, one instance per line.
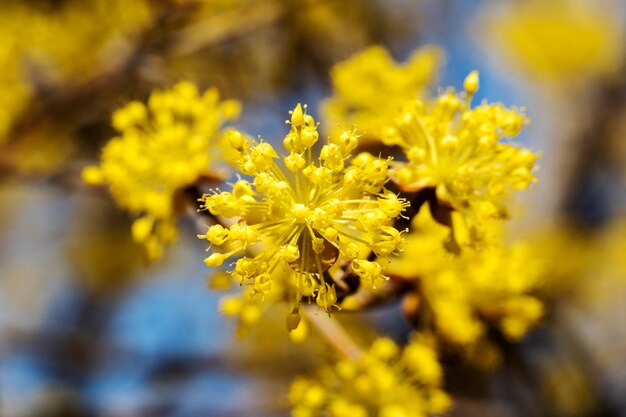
x=333 y=332
x=225 y=26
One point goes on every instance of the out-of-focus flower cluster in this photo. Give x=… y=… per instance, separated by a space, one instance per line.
x=563 y=40
x=165 y=146
x=465 y=294
x=370 y=88
x=385 y=381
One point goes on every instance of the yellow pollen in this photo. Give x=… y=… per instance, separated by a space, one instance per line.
x=300 y=212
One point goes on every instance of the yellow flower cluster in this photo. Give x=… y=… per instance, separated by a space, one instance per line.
x=466 y=293
x=370 y=88
x=58 y=43
x=497 y=287
x=385 y=381
x=306 y=216
x=559 y=40
x=164 y=146
x=460 y=153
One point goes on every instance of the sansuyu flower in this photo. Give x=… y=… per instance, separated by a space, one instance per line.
x=303 y=213
x=463 y=154
x=163 y=146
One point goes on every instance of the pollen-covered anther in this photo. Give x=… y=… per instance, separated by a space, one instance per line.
x=300 y=212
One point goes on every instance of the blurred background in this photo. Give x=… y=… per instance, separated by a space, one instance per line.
x=88 y=329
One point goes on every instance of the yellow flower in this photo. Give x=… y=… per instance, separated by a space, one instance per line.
x=559 y=40
x=385 y=381
x=306 y=216
x=163 y=147
x=460 y=153
x=464 y=293
x=370 y=88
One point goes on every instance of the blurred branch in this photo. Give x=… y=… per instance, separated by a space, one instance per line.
x=333 y=332
x=226 y=26
x=592 y=152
